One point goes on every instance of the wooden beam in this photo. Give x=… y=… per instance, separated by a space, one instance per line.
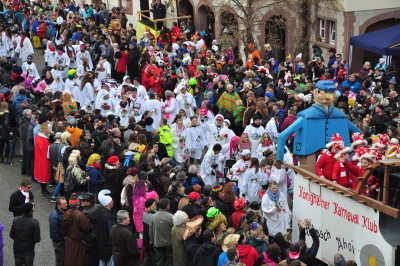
x=385 y=186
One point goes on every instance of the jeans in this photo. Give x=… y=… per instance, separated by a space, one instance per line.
x=164 y=256
x=13 y=141
x=57 y=190
x=104 y=263
x=24 y=260
x=4 y=148
x=58 y=252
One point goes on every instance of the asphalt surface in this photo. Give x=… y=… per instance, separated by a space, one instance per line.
x=10 y=181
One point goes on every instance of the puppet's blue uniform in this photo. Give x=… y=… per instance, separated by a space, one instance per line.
x=313 y=128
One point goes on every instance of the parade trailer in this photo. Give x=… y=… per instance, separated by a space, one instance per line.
x=347 y=222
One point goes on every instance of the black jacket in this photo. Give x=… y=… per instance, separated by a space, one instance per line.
x=23 y=125
x=308 y=257
x=133 y=59
x=174 y=198
x=190 y=247
x=16 y=202
x=103 y=223
x=207 y=254
x=26 y=233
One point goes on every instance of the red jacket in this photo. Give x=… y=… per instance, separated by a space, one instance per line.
x=248 y=255
x=324 y=164
x=42 y=169
x=146 y=72
x=372 y=181
x=121 y=68
x=235 y=218
x=342 y=174
x=157 y=84
x=288 y=121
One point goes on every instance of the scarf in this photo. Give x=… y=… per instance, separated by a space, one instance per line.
x=26 y=194
x=267 y=143
x=204 y=111
x=168 y=115
x=245 y=145
x=22 y=41
x=97 y=166
x=272 y=196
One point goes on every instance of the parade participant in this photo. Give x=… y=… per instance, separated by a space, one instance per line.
x=381 y=146
x=342 y=168
x=71 y=53
x=234 y=153
x=104 y=102
x=42 y=170
x=195 y=140
x=219 y=134
x=254 y=179
x=211 y=165
x=239 y=169
x=63 y=59
x=83 y=69
x=123 y=111
x=171 y=107
x=30 y=69
x=134 y=99
x=179 y=136
x=24 y=47
x=141 y=90
x=83 y=55
x=87 y=92
x=50 y=54
x=103 y=68
x=275 y=210
x=255 y=132
x=186 y=102
x=57 y=74
x=265 y=144
x=319 y=112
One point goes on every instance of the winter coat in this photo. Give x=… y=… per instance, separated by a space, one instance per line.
x=288 y=121
x=236 y=217
x=96 y=181
x=177 y=245
x=160 y=229
x=5 y=128
x=259 y=244
x=42 y=169
x=112 y=183
x=138 y=211
x=103 y=223
x=56 y=229
x=122 y=59
x=308 y=257
x=77 y=228
x=247 y=254
x=85 y=148
x=125 y=250
x=17 y=199
x=26 y=233
x=337 y=173
x=174 y=198
x=191 y=246
x=207 y=254
x=166 y=139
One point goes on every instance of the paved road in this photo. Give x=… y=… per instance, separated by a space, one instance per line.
x=10 y=181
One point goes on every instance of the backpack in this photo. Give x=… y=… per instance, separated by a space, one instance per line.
x=69 y=183
x=36 y=42
x=79 y=176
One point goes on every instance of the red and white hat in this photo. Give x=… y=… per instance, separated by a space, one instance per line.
x=360 y=151
x=383 y=141
x=341 y=152
x=219 y=116
x=370 y=156
x=357 y=139
x=335 y=139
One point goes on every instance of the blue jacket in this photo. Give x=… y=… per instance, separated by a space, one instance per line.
x=18 y=100
x=76 y=36
x=318 y=125
x=35 y=25
x=96 y=182
x=17 y=15
x=56 y=229
x=354 y=87
x=52 y=28
x=281 y=113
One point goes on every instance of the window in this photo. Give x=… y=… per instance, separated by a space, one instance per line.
x=332 y=32
x=326 y=31
x=322 y=29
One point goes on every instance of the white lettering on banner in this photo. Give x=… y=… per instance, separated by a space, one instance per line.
x=338 y=210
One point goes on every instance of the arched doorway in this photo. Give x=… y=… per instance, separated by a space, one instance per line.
x=275 y=35
x=205 y=17
x=185 y=8
x=228 y=21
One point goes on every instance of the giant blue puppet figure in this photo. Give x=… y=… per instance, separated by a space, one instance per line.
x=315 y=126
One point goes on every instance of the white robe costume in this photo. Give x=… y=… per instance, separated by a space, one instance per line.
x=261 y=149
x=237 y=174
x=171 y=108
x=276 y=221
x=81 y=56
x=123 y=113
x=106 y=105
x=87 y=97
x=195 y=141
x=279 y=176
x=50 y=57
x=64 y=62
x=4 y=45
x=10 y=45
x=142 y=93
x=103 y=70
x=221 y=135
x=74 y=87
x=155 y=108
x=206 y=167
x=253 y=182
x=71 y=53
x=24 y=51
x=30 y=70
x=136 y=102
x=58 y=80
x=255 y=134
x=186 y=102
x=179 y=146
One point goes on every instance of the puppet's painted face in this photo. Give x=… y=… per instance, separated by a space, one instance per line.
x=324 y=98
